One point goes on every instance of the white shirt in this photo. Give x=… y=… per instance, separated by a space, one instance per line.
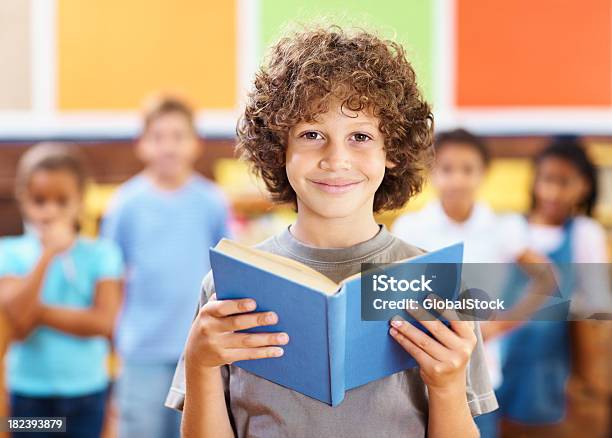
x=487 y=238
x=589 y=240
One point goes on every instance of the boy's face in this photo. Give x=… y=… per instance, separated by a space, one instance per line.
x=336 y=163
x=458 y=172
x=169 y=146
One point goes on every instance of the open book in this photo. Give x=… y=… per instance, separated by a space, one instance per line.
x=331 y=349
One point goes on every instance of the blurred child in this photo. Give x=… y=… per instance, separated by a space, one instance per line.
x=460 y=166
x=164 y=219
x=457 y=216
x=335 y=125
x=536 y=357
x=61 y=293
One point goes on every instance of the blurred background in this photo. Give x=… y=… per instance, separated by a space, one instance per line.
x=516 y=72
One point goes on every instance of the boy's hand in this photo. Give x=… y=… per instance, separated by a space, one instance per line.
x=213 y=340
x=443 y=358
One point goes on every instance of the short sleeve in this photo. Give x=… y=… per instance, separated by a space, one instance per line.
x=109 y=261
x=176 y=395
x=9 y=262
x=5 y=268
x=111 y=226
x=589 y=242
x=480 y=395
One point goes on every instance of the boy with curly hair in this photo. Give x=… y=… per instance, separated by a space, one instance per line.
x=336 y=125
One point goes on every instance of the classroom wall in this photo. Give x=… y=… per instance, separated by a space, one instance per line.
x=81 y=69
x=408 y=22
x=15 y=47
x=112 y=53
x=554 y=53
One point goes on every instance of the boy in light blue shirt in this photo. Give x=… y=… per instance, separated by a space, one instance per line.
x=164 y=219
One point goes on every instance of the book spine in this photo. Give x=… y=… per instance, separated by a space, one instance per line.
x=336 y=339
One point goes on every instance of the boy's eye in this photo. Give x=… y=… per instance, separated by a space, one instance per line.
x=312 y=135
x=39 y=200
x=361 y=138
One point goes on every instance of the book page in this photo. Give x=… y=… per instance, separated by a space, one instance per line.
x=279 y=265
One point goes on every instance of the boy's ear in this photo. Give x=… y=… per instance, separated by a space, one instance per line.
x=140 y=149
x=390 y=164
x=200 y=147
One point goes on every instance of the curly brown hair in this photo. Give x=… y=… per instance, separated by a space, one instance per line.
x=304 y=72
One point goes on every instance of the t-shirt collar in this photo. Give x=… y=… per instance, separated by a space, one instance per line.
x=362 y=250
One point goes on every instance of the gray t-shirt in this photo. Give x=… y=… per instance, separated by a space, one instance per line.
x=393 y=406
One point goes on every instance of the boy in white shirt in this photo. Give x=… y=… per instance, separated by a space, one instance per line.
x=460 y=166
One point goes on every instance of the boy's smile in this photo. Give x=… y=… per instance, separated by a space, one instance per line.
x=336 y=185
x=336 y=163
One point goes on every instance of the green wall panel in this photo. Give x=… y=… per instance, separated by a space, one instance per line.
x=409 y=22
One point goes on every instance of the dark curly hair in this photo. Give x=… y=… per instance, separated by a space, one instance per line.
x=306 y=70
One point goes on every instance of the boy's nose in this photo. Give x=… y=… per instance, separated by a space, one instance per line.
x=334 y=164
x=50 y=211
x=336 y=157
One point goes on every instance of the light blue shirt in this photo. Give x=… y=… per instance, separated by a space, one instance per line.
x=165 y=237
x=50 y=362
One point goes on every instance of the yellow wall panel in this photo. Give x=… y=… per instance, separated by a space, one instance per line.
x=112 y=53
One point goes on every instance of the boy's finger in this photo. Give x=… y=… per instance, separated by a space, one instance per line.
x=243 y=322
x=442 y=333
x=462 y=326
x=465 y=329
x=222 y=308
x=250 y=340
x=236 y=354
x=444 y=312
x=423 y=359
x=438 y=330
x=421 y=314
x=425 y=342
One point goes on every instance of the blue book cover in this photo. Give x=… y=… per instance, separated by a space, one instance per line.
x=332 y=348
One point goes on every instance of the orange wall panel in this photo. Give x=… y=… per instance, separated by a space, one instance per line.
x=112 y=53
x=534 y=53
